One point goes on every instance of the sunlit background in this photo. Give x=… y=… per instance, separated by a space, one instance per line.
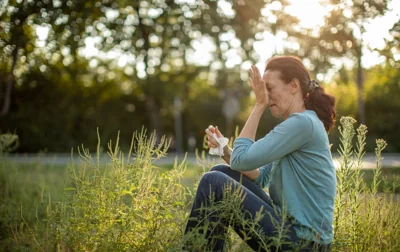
x=71 y=67
x=311 y=14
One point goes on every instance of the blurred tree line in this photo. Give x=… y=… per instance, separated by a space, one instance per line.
x=174 y=66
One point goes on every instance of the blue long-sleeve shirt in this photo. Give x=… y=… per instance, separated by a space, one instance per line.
x=297 y=168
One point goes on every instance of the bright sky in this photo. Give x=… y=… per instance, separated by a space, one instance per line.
x=309 y=12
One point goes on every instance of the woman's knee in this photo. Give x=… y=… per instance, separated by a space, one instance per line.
x=221 y=168
x=213 y=178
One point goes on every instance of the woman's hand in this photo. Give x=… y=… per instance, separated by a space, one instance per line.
x=211 y=142
x=258 y=86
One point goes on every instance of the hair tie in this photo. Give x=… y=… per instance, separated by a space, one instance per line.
x=313 y=85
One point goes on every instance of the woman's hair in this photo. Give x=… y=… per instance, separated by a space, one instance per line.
x=314 y=95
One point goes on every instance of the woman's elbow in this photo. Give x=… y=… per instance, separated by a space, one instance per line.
x=235 y=164
x=239 y=164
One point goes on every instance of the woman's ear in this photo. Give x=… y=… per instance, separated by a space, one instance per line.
x=295 y=86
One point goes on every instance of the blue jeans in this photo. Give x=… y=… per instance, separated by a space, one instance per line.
x=255 y=198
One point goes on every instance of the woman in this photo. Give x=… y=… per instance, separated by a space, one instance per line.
x=293 y=161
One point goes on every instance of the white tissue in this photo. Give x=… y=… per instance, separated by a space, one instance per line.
x=223 y=141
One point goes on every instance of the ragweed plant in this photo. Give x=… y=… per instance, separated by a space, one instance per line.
x=124 y=205
x=363 y=219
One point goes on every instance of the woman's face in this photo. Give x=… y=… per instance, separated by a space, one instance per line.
x=279 y=94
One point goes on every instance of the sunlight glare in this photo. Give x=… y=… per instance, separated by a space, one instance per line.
x=310 y=12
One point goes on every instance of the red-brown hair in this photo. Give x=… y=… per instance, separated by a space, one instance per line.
x=315 y=98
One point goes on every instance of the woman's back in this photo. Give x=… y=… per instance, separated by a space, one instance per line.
x=303 y=182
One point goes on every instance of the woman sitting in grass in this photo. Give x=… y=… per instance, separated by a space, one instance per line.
x=293 y=161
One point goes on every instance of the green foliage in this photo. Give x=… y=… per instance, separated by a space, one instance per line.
x=363 y=219
x=56 y=110
x=26 y=190
x=59 y=95
x=382 y=91
x=8 y=142
x=381 y=103
x=128 y=204
x=125 y=205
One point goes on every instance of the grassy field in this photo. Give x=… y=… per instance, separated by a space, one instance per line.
x=134 y=205
x=27 y=189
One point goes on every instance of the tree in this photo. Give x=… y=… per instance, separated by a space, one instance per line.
x=15 y=41
x=19 y=20
x=153 y=43
x=392 y=49
x=341 y=37
x=382 y=89
x=165 y=35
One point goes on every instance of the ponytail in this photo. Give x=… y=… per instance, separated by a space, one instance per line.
x=323 y=105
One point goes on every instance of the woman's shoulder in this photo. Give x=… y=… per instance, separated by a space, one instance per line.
x=310 y=119
x=307 y=123
x=302 y=119
x=306 y=118
x=305 y=114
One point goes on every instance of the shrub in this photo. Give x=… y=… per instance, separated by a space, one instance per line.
x=124 y=205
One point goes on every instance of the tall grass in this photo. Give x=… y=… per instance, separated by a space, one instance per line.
x=123 y=205
x=129 y=205
x=364 y=220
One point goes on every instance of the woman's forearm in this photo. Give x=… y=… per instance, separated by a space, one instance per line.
x=249 y=131
x=253 y=175
x=250 y=128
x=227 y=154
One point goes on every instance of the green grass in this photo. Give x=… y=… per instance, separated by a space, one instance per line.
x=25 y=191
x=28 y=189
x=138 y=206
x=28 y=186
x=389 y=176
x=28 y=183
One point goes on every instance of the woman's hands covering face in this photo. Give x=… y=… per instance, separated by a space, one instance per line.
x=258 y=86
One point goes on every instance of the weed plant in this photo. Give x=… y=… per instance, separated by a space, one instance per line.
x=122 y=206
x=127 y=205
x=364 y=220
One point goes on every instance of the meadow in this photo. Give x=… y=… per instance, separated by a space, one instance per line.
x=131 y=204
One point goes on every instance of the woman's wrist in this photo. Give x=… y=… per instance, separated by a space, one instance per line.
x=227 y=154
x=227 y=151
x=260 y=106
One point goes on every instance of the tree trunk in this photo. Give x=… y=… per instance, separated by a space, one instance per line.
x=178 y=124
x=154 y=113
x=360 y=89
x=9 y=85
